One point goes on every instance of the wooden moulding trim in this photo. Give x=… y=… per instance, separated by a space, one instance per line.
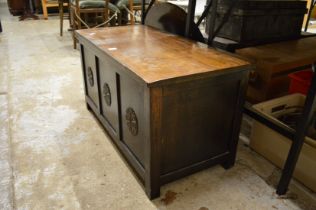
x=92 y=105
x=169 y=177
x=153 y=110
x=126 y=153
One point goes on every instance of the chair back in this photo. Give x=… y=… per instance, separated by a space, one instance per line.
x=171 y=18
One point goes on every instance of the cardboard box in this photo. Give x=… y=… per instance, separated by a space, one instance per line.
x=275 y=147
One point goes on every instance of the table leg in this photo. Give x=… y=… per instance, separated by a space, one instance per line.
x=61 y=16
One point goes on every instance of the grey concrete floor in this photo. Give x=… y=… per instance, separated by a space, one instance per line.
x=54 y=155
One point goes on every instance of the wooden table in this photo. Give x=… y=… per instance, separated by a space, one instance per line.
x=274 y=62
x=172 y=106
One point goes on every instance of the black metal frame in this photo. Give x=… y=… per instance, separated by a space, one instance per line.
x=297 y=136
x=144 y=10
x=190 y=17
x=298 y=140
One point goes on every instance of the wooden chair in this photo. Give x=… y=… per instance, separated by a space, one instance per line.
x=131 y=6
x=83 y=11
x=61 y=4
x=49 y=3
x=171 y=18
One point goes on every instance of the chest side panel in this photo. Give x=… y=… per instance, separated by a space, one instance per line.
x=198 y=120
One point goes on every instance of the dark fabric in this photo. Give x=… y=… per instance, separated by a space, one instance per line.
x=171 y=18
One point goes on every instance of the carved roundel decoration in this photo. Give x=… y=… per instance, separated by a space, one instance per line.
x=131 y=121
x=90 y=77
x=107 y=94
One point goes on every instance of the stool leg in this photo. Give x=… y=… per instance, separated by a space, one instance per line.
x=61 y=17
x=74 y=39
x=119 y=19
x=44 y=7
x=131 y=11
x=73 y=25
x=70 y=21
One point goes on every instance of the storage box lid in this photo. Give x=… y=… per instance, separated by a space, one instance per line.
x=263 y=4
x=264 y=7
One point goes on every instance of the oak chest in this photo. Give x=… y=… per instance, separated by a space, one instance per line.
x=172 y=106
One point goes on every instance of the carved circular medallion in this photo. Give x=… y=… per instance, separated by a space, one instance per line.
x=107 y=94
x=90 y=77
x=131 y=121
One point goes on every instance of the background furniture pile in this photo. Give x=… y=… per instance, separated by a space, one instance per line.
x=296 y=135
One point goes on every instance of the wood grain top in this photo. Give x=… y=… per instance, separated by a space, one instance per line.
x=157 y=56
x=282 y=56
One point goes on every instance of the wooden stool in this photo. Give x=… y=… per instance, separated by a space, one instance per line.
x=61 y=4
x=50 y=3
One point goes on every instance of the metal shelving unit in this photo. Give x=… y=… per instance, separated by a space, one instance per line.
x=298 y=135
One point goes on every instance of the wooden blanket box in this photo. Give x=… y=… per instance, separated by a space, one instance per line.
x=172 y=106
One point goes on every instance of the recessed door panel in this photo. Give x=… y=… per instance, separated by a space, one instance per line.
x=108 y=92
x=132 y=99
x=91 y=76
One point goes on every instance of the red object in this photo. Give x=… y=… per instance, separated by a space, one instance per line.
x=300 y=81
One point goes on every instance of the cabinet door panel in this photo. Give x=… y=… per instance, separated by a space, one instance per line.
x=108 y=92
x=91 y=76
x=132 y=98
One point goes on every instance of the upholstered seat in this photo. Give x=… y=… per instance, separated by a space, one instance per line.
x=122 y=4
x=86 y=4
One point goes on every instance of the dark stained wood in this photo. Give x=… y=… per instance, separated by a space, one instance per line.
x=153 y=119
x=177 y=106
x=16 y=7
x=240 y=100
x=109 y=109
x=197 y=121
x=132 y=97
x=91 y=77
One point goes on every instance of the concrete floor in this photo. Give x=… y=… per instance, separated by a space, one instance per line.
x=54 y=155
